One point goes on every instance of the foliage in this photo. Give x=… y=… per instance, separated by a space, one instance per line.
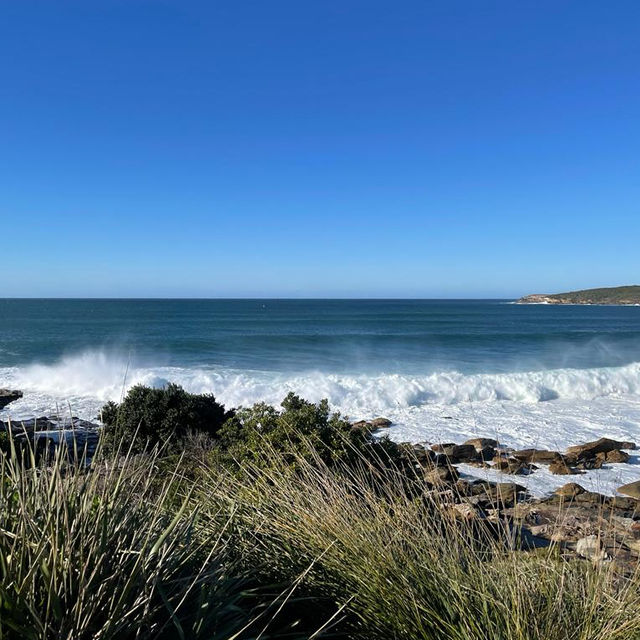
x=5 y=445
x=301 y=429
x=147 y=417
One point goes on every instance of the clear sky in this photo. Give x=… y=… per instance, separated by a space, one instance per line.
x=332 y=148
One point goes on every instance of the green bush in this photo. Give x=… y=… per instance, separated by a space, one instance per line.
x=302 y=428
x=147 y=417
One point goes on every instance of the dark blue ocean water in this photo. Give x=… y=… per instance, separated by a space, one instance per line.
x=348 y=336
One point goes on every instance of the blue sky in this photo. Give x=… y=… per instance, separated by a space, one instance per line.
x=391 y=149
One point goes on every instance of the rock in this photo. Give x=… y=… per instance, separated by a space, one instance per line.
x=589 y=463
x=376 y=423
x=613 y=456
x=560 y=468
x=506 y=491
x=513 y=466
x=464 y=511
x=440 y=448
x=42 y=423
x=482 y=443
x=631 y=489
x=536 y=455
x=486 y=453
x=569 y=490
x=591 y=497
x=464 y=453
x=591 y=547
x=420 y=454
x=603 y=445
x=625 y=504
x=441 y=475
x=458 y=452
x=463 y=488
x=8 y=395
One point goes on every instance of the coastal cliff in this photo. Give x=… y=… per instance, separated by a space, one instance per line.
x=629 y=295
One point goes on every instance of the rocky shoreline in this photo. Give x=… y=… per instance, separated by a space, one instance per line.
x=8 y=396
x=581 y=523
x=46 y=433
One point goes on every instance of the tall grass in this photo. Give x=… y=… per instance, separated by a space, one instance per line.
x=107 y=553
x=154 y=547
x=399 y=563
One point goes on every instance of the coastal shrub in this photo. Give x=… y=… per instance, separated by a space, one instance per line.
x=148 y=417
x=300 y=429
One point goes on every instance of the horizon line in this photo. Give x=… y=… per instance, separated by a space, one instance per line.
x=246 y=298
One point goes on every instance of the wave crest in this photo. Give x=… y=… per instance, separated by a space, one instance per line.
x=105 y=376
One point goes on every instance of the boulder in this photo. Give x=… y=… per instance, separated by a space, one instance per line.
x=589 y=463
x=464 y=453
x=569 y=490
x=480 y=464
x=457 y=452
x=625 y=504
x=376 y=423
x=420 y=454
x=441 y=475
x=42 y=423
x=463 y=488
x=631 y=489
x=536 y=455
x=464 y=511
x=613 y=456
x=440 y=448
x=505 y=491
x=486 y=453
x=603 y=445
x=514 y=466
x=8 y=395
x=482 y=443
x=561 y=468
x=591 y=497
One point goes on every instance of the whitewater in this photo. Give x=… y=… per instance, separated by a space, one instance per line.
x=549 y=409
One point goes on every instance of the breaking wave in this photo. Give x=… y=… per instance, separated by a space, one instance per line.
x=103 y=376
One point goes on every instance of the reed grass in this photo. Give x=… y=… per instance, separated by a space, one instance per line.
x=398 y=563
x=150 y=546
x=107 y=552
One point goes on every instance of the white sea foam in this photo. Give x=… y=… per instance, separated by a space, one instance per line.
x=552 y=408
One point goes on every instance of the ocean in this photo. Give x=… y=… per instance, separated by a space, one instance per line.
x=442 y=370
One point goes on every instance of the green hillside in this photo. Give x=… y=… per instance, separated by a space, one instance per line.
x=607 y=295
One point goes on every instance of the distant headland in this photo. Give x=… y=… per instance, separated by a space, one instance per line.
x=629 y=295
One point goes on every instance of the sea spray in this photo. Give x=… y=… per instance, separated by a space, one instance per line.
x=103 y=376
